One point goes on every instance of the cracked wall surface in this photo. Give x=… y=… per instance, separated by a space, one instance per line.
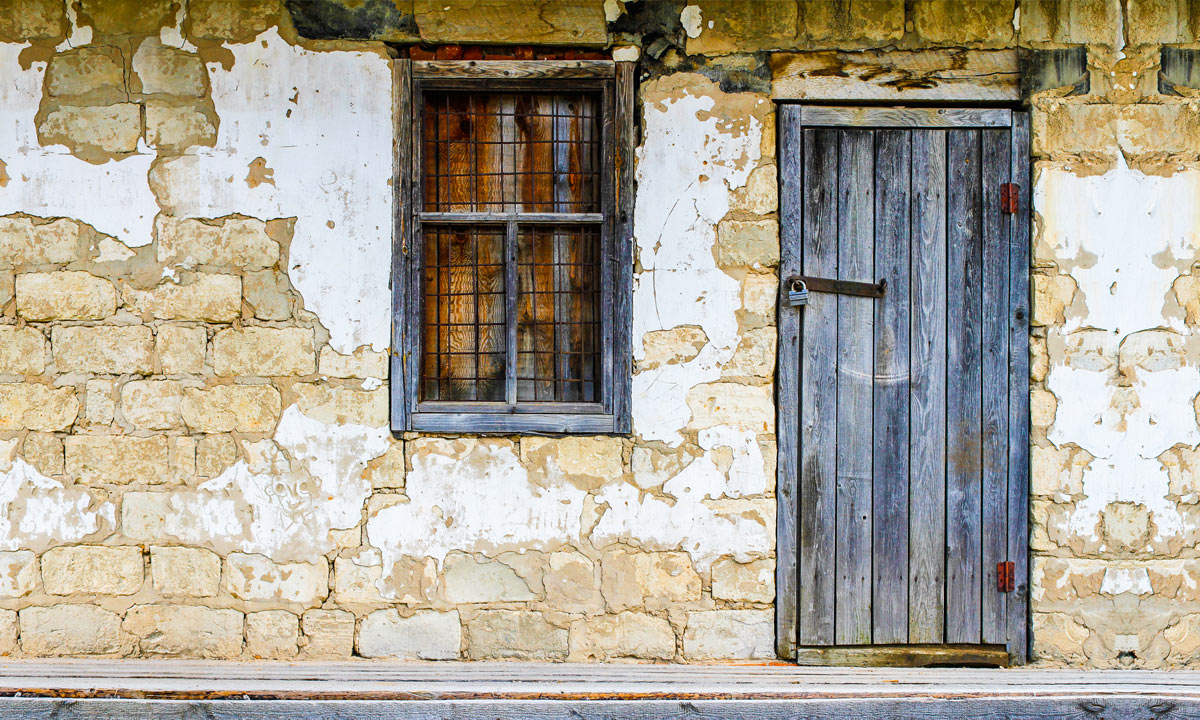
x=195 y=239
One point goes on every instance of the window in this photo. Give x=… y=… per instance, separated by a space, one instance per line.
x=514 y=266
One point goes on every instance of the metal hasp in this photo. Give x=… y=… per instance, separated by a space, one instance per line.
x=798 y=286
x=1006 y=580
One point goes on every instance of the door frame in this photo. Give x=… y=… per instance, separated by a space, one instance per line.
x=791 y=120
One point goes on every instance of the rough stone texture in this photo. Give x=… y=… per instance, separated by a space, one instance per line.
x=83 y=70
x=152 y=404
x=729 y=634
x=9 y=630
x=215 y=298
x=22 y=351
x=627 y=635
x=362 y=364
x=105 y=129
x=37 y=407
x=45 y=452
x=118 y=459
x=103 y=349
x=556 y=22
x=254 y=577
x=749 y=582
x=233 y=20
x=180 y=348
x=64 y=296
x=70 y=630
x=572 y=583
x=335 y=405
x=753 y=243
x=186 y=631
x=127 y=18
x=728 y=26
x=468 y=580
x=158 y=68
x=272 y=634
x=671 y=347
x=860 y=22
x=952 y=22
x=99 y=401
x=264 y=351
x=225 y=408
x=234 y=242
x=732 y=404
x=193 y=572
x=175 y=129
x=426 y=635
x=18 y=573
x=267 y=292
x=24 y=243
x=327 y=634
x=92 y=569
x=37 y=19
x=514 y=634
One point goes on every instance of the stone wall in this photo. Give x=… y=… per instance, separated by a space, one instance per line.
x=194 y=250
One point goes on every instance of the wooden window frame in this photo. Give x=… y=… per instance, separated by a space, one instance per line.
x=615 y=81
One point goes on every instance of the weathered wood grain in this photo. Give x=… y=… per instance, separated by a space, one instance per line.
x=621 y=153
x=994 y=150
x=511 y=69
x=787 y=387
x=897 y=76
x=927 y=452
x=855 y=364
x=963 y=422
x=866 y=116
x=399 y=381
x=912 y=656
x=889 y=526
x=818 y=402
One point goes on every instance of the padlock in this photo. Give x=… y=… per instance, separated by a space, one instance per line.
x=797 y=294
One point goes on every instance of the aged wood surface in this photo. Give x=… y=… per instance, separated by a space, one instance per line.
x=818 y=406
x=399 y=386
x=856 y=231
x=896 y=75
x=963 y=411
x=903 y=117
x=889 y=523
x=787 y=387
x=927 y=499
x=905 y=656
x=512 y=69
x=622 y=153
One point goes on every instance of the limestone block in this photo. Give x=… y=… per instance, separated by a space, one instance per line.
x=105 y=129
x=760 y=194
x=7 y=289
x=159 y=68
x=467 y=580
x=864 y=22
x=103 y=349
x=24 y=243
x=215 y=453
x=364 y=363
x=732 y=26
x=70 y=630
x=267 y=291
x=143 y=515
x=670 y=347
x=186 y=631
x=118 y=459
x=744 y=582
x=69 y=295
x=152 y=404
x=387 y=471
x=572 y=584
x=176 y=128
x=337 y=405
x=144 y=17
x=754 y=357
x=102 y=570
x=8 y=632
x=83 y=70
x=181 y=348
x=729 y=635
x=22 y=351
x=541 y=22
x=329 y=634
x=99 y=401
x=516 y=634
x=268 y=352
x=744 y=406
x=33 y=19
x=232 y=20
x=255 y=577
x=235 y=242
x=1052 y=294
x=272 y=634
x=356 y=584
x=29 y=406
x=1043 y=407
x=753 y=243
x=214 y=298
x=226 y=408
x=426 y=635
x=18 y=573
x=45 y=452
x=760 y=293
x=627 y=635
x=953 y=22
x=1057 y=636
x=194 y=572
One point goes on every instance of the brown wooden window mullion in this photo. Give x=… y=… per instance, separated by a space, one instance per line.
x=510 y=313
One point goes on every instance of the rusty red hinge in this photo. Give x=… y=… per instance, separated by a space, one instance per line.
x=1009 y=197
x=1006 y=580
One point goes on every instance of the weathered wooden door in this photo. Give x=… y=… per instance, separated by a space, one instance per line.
x=903 y=419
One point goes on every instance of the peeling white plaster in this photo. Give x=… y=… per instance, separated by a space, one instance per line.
x=479 y=501
x=1123 y=237
x=690 y=19
x=37 y=511
x=687 y=167
x=1126 y=580
x=322 y=121
x=286 y=498
x=49 y=181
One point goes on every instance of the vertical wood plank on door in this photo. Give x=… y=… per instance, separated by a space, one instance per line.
x=818 y=486
x=963 y=412
x=927 y=433
x=1018 y=393
x=889 y=547
x=994 y=530
x=856 y=232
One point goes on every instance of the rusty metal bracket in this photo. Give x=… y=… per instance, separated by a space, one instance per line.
x=839 y=287
x=1006 y=580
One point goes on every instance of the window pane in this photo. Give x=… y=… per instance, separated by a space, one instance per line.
x=530 y=152
x=464 y=353
x=558 y=323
